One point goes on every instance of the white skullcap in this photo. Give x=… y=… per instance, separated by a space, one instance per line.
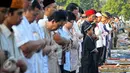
x=98 y=14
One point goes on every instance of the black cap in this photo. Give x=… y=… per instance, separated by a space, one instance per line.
x=36 y=4
x=47 y=2
x=5 y=3
x=71 y=7
x=87 y=27
x=108 y=14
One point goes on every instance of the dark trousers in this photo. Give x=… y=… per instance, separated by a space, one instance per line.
x=115 y=38
x=89 y=64
x=104 y=54
x=99 y=55
x=69 y=71
x=110 y=47
x=61 y=68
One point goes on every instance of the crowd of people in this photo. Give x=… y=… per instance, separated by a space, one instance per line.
x=36 y=37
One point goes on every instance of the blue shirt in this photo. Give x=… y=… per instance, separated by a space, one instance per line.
x=67 y=65
x=63 y=35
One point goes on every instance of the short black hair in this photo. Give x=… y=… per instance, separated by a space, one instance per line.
x=30 y=8
x=12 y=10
x=71 y=7
x=81 y=11
x=57 y=16
x=108 y=14
x=117 y=17
x=70 y=16
x=35 y=4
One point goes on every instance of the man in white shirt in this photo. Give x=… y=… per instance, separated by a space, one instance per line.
x=49 y=9
x=27 y=42
x=99 y=42
x=109 y=37
x=7 y=41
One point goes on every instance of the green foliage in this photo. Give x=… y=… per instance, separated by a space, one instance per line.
x=96 y=4
x=66 y=2
x=72 y=1
x=118 y=7
x=90 y=4
x=86 y=4
x=61 y=2
x=115 y=7
x=126 y=11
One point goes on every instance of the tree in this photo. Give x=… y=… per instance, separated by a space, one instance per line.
x=96 y=5
x=117 y=7
x=61 y=2
x=91 y=4
x=126 y=11
x=66 y=2
x=86 y=4
x=72 y=1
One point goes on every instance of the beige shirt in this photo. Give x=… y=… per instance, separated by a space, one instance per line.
x=52 y=57
x=7 y=42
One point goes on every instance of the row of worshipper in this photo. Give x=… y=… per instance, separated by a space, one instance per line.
x=99 y=33
x=43 y=39
x=38 y=47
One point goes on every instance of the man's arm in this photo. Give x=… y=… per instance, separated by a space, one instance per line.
x=60 y=40
x=31 y=47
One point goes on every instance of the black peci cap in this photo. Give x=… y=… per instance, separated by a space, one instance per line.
x=5 y=3
x=47 y=2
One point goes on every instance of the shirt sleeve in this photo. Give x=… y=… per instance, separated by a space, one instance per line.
x=42 y=22
x=20 y=37
x=108 y=27
x=97 y=31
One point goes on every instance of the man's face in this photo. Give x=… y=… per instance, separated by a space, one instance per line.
x=103 y=20
x=99 y=18
x=90 y=32
x=16 y=17
x=116 y=20
x=3 y=11
x=92 y=17
x=76 y=11
x=56 y=25
x=70 y=24
x=52 y=8
x=31 y=15
x=40 y=15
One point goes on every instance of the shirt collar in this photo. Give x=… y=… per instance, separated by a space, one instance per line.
x=5 y=30
x=45 y=17
x=25 y=19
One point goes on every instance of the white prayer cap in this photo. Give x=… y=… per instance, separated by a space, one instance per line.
x=98 y=14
